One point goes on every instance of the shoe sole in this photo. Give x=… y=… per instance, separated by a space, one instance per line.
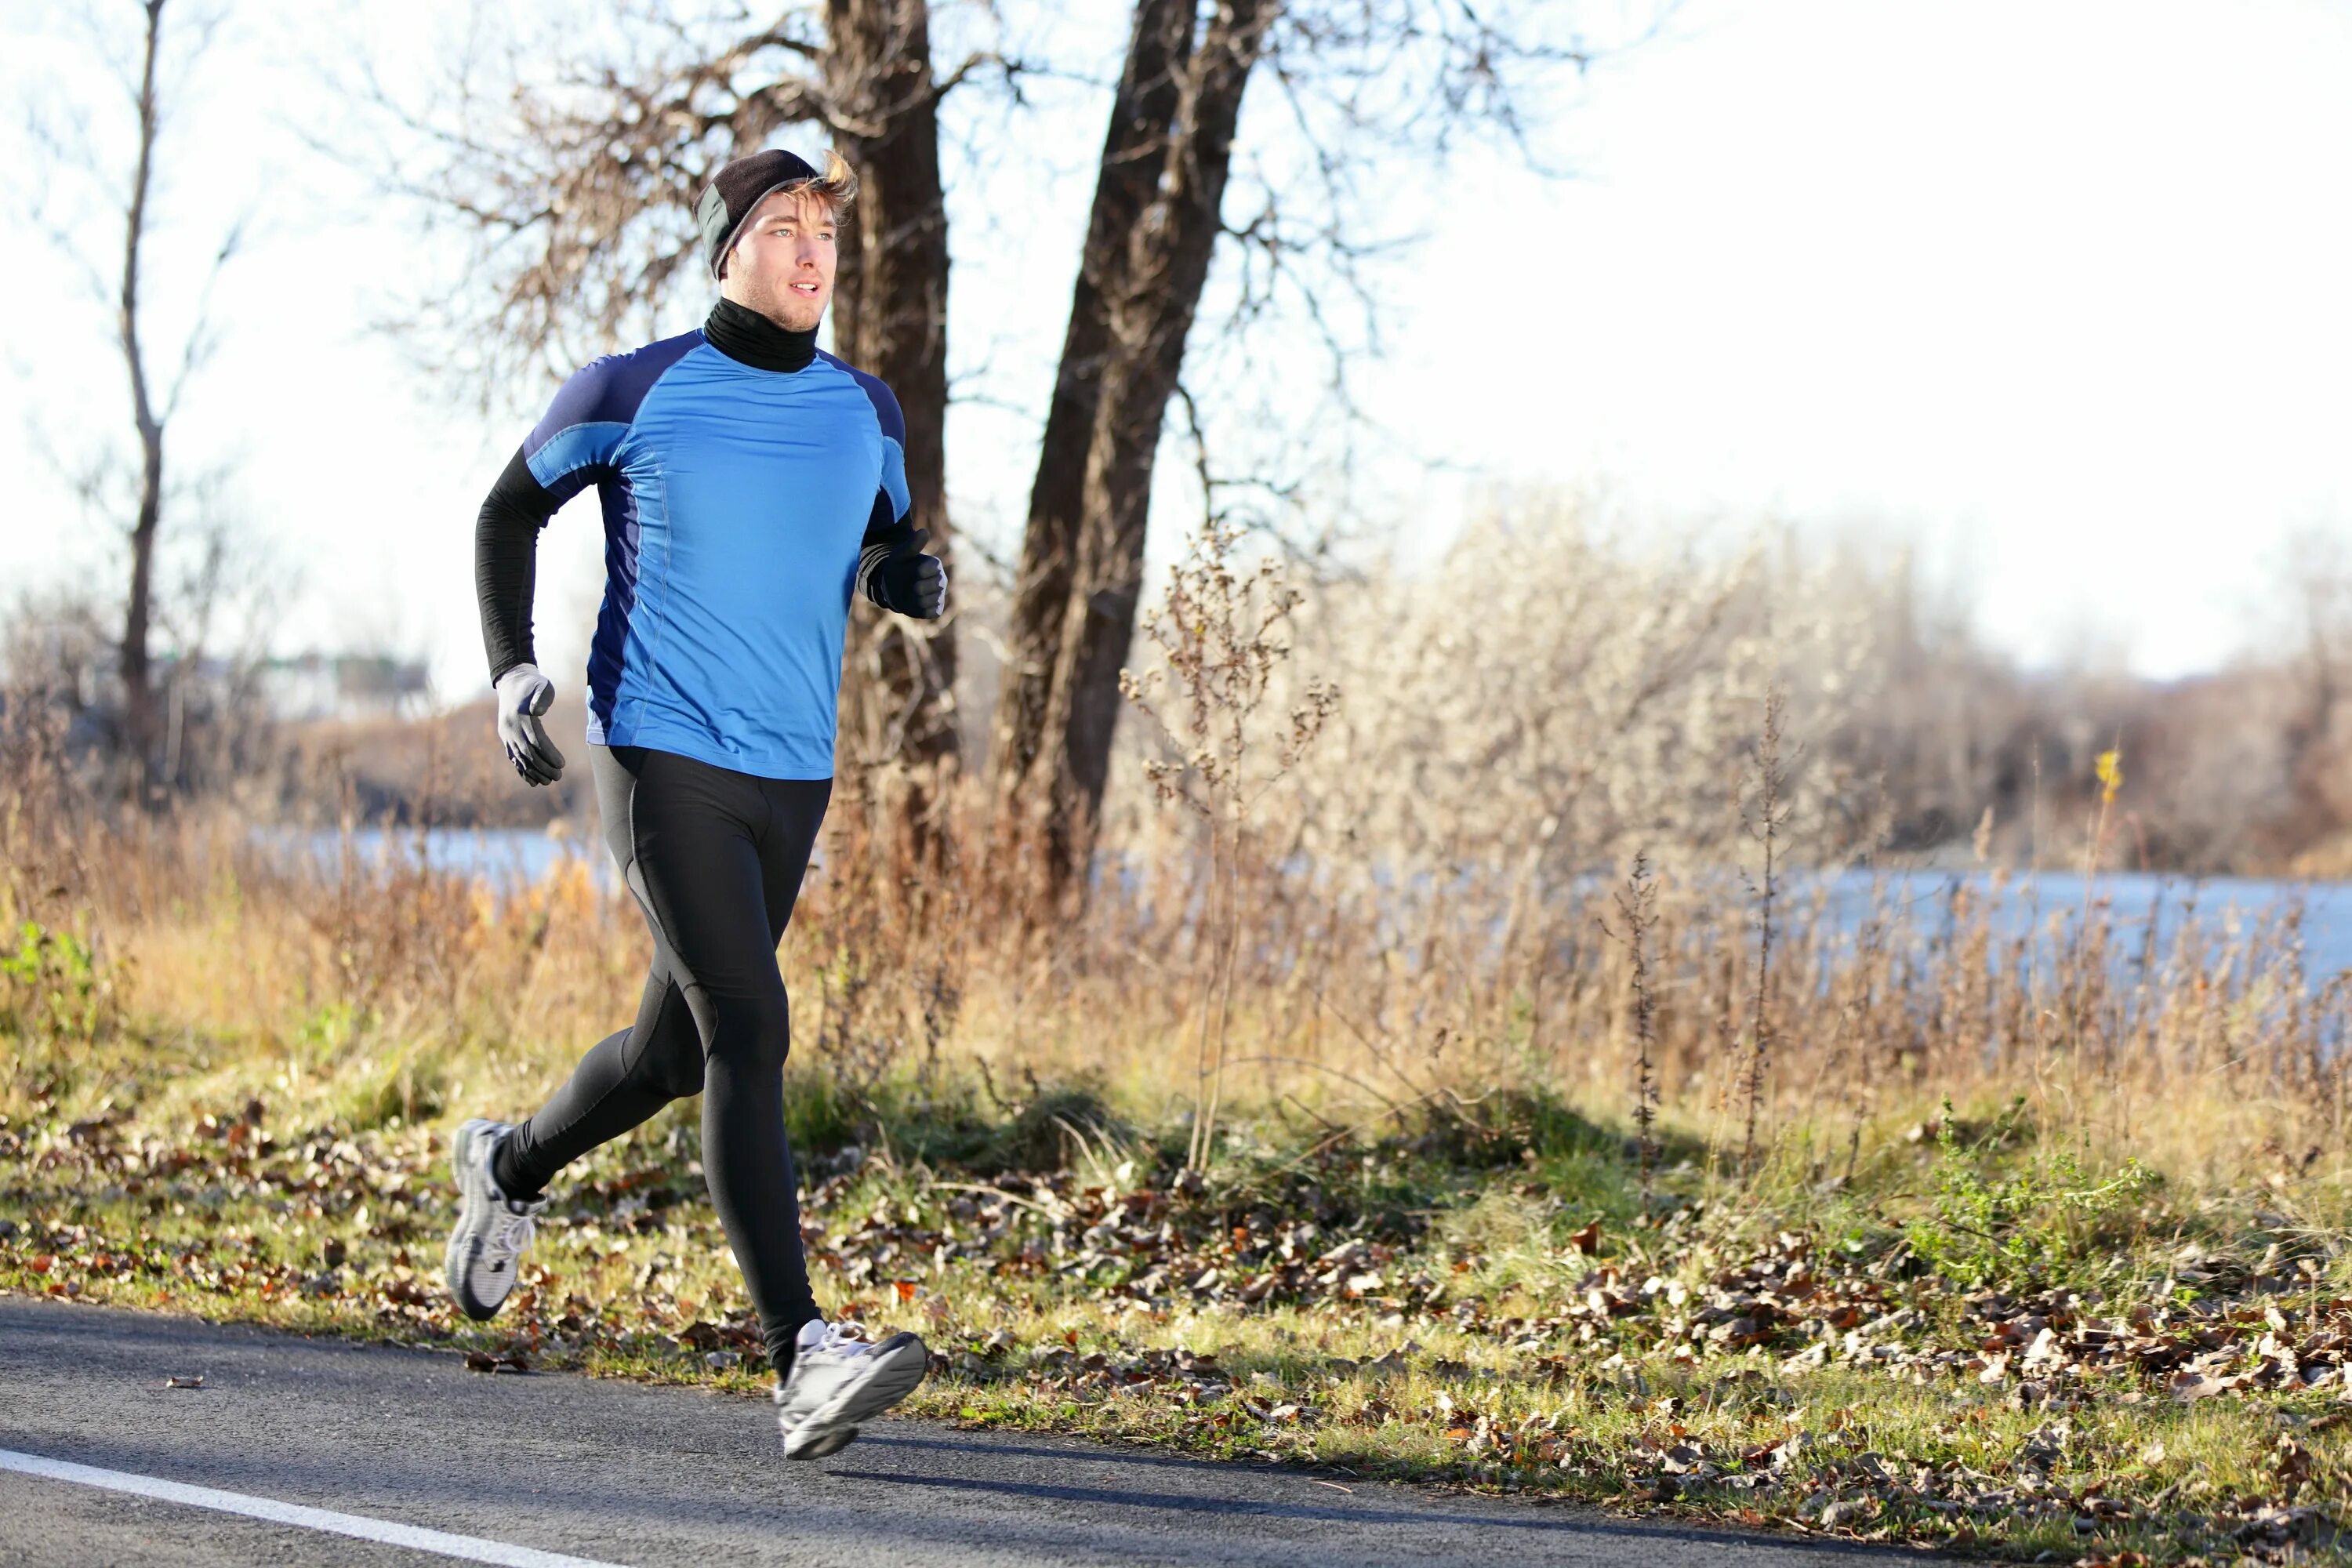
x=452 y=1270
x=833 y=1426
x=832 y=1442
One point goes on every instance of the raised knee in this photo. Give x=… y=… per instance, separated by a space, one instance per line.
x=752 y=1031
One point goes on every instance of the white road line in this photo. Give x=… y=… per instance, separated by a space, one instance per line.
x=473 y=1549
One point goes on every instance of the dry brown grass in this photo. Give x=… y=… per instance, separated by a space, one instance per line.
x=1385 y=937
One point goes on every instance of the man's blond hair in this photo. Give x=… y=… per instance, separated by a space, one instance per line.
x=836 y=186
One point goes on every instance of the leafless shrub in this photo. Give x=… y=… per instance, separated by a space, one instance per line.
x=1637 y=909
x=1550 y=698
x=1221 y=635
x=1765 y=824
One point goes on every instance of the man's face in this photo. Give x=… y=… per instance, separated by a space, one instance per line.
x=783 y=260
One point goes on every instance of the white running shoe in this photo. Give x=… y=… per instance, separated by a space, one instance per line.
x=837 y=1382
x=492 y=1228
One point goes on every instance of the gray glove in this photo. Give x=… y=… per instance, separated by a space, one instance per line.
x=523 y=695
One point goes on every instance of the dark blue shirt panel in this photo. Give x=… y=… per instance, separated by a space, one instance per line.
x=620 y=601
x=573 y=444
x=886 y=403
x=894 y=492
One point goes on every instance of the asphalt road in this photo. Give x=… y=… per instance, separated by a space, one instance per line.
x=515 y=1469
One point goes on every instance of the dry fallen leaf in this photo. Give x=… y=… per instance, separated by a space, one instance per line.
x=2294 y=1466
x=2188 y=1386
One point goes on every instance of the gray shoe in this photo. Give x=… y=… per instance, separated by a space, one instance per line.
x=492 y=1228
x=837 y=1383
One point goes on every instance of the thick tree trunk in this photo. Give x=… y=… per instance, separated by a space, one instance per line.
x=1079 y=617
x=889 y=317
x=138 y=683
x=1134 y=152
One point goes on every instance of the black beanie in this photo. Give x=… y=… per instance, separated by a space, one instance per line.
x=739 y=187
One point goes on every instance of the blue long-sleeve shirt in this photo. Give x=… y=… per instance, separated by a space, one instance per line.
x=736 y=501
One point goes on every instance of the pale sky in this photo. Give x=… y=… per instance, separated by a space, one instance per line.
x=2056 y=289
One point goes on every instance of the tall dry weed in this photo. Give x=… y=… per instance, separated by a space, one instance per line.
x=1222 y=636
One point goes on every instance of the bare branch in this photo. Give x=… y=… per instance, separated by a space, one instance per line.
x=1373 y=95
x=572 y=188
x=197 y=347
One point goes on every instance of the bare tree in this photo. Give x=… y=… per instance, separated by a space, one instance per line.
x=889 y=317
x=1038 y=783
x=577 y=196
x=155 y=398
x=138 y=699
x=1361 y=81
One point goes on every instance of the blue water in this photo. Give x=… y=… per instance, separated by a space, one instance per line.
x=501 y=855
x=2048 y=905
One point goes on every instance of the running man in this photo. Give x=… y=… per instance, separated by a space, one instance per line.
x=751 y=485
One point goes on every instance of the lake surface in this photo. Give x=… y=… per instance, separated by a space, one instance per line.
x=2020 y=903
x=495 y=854
x=2051 y=904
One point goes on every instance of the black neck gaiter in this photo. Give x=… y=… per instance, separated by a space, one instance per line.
x=742 y=333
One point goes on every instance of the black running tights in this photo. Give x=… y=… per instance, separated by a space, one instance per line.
x=715 y=859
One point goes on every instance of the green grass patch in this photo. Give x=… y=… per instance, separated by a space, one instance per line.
x=1982 y=1342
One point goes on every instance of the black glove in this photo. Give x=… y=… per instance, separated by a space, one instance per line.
x=900 y=577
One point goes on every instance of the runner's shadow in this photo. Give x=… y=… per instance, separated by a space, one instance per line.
x=1031 y=1451
x=1581 y=1524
